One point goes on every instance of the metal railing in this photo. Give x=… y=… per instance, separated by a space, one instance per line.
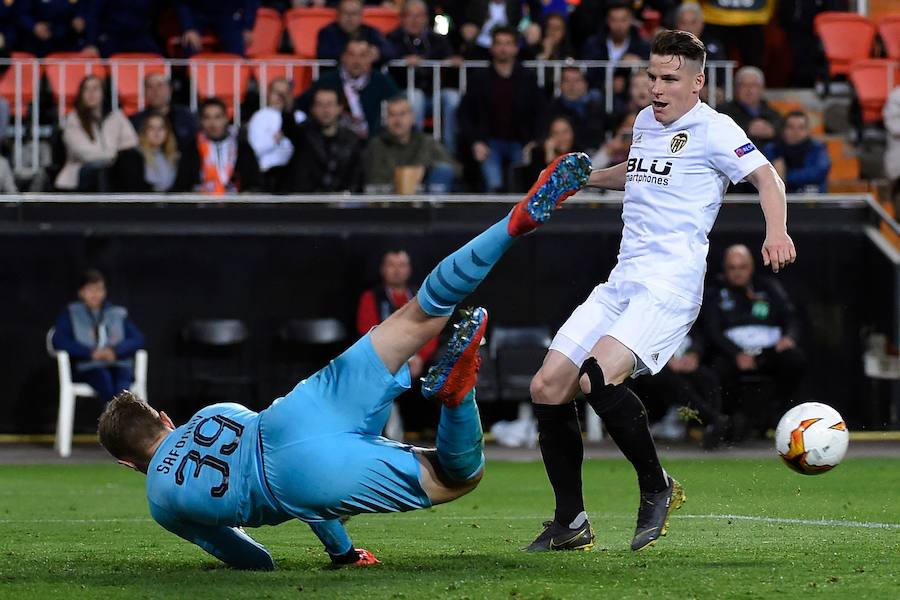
x=208 y=76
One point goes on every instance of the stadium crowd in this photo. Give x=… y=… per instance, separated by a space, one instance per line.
x=496 y=130
x=366 y=125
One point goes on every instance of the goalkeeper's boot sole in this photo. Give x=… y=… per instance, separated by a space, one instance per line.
x=455 y=373
x=562 y=178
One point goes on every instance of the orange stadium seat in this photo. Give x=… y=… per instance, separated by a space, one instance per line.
x=266 y=33
x=129 y=76
x=220 y=74
x=383 y=19
x=846 y=37
x=873 y=79
x=269 y=67
x=889 y=30
x=303 y=25
x=64 y=79
x=8 y=82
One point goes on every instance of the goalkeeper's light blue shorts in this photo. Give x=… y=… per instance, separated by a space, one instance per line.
x=322 y=451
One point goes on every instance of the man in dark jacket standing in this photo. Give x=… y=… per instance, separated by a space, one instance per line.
x=99 y=337
x=363 y=89
x=502 y=110
x=752 y=328
x=619 y=41
x=327 y=156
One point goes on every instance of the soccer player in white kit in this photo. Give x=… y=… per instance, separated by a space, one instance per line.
x=682 y=157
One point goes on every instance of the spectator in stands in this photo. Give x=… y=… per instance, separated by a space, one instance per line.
x=554 y=44
x=7 y=180
x=891 y=114
x=100 y=338
x=273 y=150
x=750 y=110
x=231 y=20
x=502 y=110
x=100 y=145
x=740 y=25
x=378 y=303
x=159 y=150
x=482 y=17
x=333 y=38
x=327 y=156
x=689 y=17
x=582 y=106
x=686 y=382
x=752 y=328
x=415 y=41
x=9 y=23
x=616 y=150
x=559 y=140
x=364 y=88
x=619 y=41
x=115 y=26
x=583 y=21
x=375 y=305
x=638 y=96
x=219 y=161
x=158 y=100
x=53 y=25
x=400 y=145
x=801 y=161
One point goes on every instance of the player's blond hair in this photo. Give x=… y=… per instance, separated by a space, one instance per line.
x=128 y=426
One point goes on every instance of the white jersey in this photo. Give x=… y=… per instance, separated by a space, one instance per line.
x=675 y=181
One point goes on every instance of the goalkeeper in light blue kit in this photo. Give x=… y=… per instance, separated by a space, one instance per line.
x=317 y=454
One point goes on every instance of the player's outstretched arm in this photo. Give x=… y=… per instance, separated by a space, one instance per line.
x=778 y=249
x=229 y=544
x=610 y=178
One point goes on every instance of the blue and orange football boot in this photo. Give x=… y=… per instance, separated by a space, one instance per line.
x=562 y=178
x=455 y=373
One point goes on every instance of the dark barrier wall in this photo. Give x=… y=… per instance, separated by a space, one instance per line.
x=841 y=284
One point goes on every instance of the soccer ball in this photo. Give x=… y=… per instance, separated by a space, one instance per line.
x=811 y=438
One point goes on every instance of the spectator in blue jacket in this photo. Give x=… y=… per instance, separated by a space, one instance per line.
x=801 y=161
x=333 y=37
x=99 y=337
x=115 y=26
x=231 y=20
x=53 y=25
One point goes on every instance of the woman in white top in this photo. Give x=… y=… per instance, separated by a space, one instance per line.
x=94 y=140
x=160 y=153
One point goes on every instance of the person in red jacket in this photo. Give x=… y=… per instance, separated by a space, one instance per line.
x=376 y=304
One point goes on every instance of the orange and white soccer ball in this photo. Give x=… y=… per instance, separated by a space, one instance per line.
x=811 y=438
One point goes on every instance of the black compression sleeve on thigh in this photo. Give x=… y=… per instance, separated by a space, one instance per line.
x=625 y=418
x=563 y=453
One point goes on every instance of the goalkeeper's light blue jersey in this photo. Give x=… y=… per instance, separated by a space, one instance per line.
x=210 y=470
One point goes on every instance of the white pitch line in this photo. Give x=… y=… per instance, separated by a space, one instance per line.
x=822 y=522
x=475 y=519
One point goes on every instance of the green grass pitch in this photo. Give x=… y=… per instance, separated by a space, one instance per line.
x=83 y=531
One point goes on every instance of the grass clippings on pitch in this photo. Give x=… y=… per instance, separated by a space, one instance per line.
x=750 y=529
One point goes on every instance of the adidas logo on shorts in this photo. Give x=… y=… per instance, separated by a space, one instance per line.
x=654 y=357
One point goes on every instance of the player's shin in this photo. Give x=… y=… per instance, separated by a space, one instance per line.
x=625 y=419
x=460 y=442
x=563 y=452
x=459 y=274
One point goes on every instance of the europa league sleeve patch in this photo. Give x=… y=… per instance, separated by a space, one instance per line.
x=745 y=149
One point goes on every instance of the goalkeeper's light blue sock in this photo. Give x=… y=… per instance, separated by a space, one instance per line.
x=459 y=274
x=460 y=443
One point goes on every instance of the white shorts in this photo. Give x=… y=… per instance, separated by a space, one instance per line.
x=650 y=322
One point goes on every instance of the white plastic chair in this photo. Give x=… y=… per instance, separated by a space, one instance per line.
x=70 y=390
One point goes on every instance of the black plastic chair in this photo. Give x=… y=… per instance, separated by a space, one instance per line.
x=305 y=346
x=217 y=358
x=518 y=353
